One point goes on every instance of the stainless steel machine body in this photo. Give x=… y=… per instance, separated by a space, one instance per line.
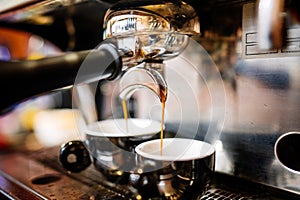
x=241 y=97
x=235 y=94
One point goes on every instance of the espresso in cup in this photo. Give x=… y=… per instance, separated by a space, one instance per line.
x=183 y=169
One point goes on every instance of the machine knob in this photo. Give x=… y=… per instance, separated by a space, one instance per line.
x=74 y=156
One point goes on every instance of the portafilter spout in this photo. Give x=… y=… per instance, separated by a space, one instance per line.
x=145 y=75
x=148 y=33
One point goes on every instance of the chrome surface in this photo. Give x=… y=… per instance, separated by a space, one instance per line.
x=266 y=106
x=277 y=72
x=144 y=76
x=133 y=18
x=150 y=30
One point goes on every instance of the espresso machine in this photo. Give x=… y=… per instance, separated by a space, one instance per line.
x=231 y=76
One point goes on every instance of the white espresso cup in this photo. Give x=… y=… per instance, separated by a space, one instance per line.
x=182 y=169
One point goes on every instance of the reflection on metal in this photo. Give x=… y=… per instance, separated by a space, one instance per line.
x=254 y=39
x=265 y=106
x=270 y=24
x=150 y=30
x=31 y=9
x=4 y=53
x=143 y=77
x=29 y=46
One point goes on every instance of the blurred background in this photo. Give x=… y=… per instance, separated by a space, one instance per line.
x=33 y=30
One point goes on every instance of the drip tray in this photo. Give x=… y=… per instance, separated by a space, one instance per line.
x=227 y=187
x=217 y=193
x=39 y=175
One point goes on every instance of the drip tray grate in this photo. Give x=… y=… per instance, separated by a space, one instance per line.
x=222 y=194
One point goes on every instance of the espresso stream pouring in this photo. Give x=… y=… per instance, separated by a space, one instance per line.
x=148 y=33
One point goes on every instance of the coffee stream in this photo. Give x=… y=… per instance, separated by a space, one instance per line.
x=163 y=98
x=125 y=113
x=162 y=125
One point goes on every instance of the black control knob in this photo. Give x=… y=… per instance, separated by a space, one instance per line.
x=74 y=156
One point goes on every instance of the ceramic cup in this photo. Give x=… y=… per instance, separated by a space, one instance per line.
x=182 y=170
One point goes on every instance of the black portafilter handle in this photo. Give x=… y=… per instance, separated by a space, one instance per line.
x=74 y=156
x=20 y=80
